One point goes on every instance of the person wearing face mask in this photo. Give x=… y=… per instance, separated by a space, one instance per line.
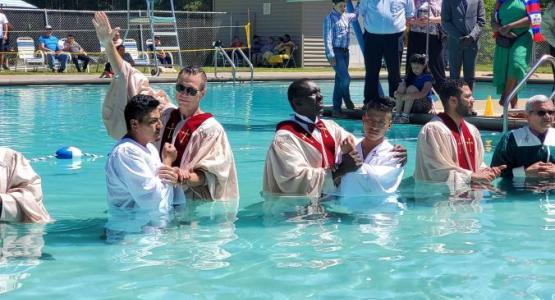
x=204 y=156
x=528 y=151
x=337 y=34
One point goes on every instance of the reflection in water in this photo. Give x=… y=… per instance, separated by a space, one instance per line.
x=197 y=241
x=315 y=240
x=20 y=253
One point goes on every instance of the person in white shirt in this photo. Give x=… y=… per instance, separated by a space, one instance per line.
x=140 y=190
x=381 y=172
x=3 y=38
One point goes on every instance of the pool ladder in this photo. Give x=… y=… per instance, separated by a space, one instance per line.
x=543 y=59
x=231 y=61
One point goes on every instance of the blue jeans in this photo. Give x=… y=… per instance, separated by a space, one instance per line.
x=342 y=78
x=62 y=58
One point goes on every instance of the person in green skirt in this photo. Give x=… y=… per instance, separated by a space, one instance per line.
x=511 y=24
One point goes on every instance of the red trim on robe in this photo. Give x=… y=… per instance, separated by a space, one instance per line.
x=469 y=142
x=301 y=133
x=184 y=135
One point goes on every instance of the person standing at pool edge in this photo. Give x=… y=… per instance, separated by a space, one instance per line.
x=205 y=159
x=449 y=149
x=337 y=34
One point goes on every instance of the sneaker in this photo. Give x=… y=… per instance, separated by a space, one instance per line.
x=5 y=67
x=349 y=104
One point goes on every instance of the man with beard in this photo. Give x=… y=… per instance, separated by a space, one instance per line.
x=204 y=157
x=140 y=188
x=449 y=149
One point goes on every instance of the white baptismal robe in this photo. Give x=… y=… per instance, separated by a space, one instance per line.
x=20 y=189
x=379 y=174
x=136 y=195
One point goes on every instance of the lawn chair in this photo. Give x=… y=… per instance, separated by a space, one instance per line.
x=27 y=54
x=70 y=64
x=291 y=58
x=140 y=57
x=167 y=49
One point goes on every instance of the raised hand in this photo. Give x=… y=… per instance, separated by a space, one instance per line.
x=104 y=30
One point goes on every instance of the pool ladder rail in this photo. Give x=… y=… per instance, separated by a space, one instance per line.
x=219 y=51
x=543 y=59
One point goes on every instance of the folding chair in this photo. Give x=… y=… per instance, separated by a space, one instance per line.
x=27 y=54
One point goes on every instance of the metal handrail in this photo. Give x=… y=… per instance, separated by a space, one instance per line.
x=221 y=51
x=543 y=59
x=245 y=58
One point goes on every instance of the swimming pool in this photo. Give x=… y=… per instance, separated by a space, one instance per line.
x=501 y=247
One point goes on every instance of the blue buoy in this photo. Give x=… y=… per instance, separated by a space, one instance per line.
x=69 y=153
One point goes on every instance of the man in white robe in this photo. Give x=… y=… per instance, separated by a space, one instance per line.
x=302 y=158
x=381 y=172
x=204 y=155
x=139 y=190
x=20 y=190
x=450 y=150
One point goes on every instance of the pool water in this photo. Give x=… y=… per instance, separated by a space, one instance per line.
x=500 y=247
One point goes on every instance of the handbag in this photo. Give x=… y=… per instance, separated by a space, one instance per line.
x=507 y=42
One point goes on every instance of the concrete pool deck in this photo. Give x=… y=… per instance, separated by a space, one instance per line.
x=46 y=78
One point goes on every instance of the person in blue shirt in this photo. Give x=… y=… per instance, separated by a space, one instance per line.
x=49 y=44
x=384 y=22
x=414 y=94
x=337 y=32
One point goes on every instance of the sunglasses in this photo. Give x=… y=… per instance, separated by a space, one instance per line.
x=187 y=89
x=542 y=113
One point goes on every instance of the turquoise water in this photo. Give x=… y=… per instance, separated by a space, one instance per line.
x=500 y=247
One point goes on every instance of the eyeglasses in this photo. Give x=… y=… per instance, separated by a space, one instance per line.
x=191 y=91
x=542 y=113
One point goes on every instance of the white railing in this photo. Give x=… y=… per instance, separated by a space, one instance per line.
x=245 y=58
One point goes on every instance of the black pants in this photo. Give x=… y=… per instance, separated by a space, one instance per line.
x=376 y=47
x=436 y=65
x=82 y=57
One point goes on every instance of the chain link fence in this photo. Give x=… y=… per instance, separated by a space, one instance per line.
x=196 y=30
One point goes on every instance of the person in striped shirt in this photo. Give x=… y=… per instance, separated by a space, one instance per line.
x=337 y=31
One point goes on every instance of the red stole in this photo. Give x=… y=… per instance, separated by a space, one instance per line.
x=467 y=142
x=184 y=135
x=301 y=133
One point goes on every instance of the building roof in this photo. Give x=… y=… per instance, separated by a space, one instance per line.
x=16 y=3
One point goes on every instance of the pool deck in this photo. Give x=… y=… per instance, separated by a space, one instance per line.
x=45 y=78
x=488 y=123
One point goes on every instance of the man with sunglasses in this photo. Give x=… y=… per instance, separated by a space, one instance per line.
x=528 y=151
x=308 y=155
x=450 y=150
x=204 y=156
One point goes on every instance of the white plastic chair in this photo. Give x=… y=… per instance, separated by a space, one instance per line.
x=140 y=57
x=27 y=54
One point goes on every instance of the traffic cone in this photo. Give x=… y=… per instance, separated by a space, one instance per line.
x=488 y=111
